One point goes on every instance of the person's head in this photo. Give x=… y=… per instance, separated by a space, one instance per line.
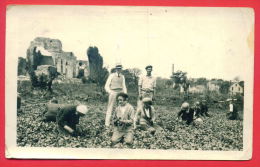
x=122 y=99
x=118 y=68
x=197 y=104
x=147 y=102
x=185 y=106
x=81 y=109
x=149 y=69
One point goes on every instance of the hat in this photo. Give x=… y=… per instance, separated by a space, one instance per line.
x=197 y=103
x=185 y=105
x=82 y=109
x=119 y=66
x=229 y=100
x=149 y=66
x=147 y=99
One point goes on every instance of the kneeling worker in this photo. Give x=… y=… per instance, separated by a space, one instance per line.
x=123 y=119
x=66 y=116
x=186 y=113
x=145 y=115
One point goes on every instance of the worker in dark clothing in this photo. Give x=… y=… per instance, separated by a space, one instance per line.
x=186 y=113
x=204 y=108
x=201 y=109
x=68 y=117
x=197 y=109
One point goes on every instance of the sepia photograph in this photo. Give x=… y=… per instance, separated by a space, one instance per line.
x=121 y=82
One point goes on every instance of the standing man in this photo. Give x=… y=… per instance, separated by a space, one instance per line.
x=146 y=85
x=115 y=84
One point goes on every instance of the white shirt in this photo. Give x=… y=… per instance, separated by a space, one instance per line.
x=147 y=82
x=230 y=107
x=108 y=82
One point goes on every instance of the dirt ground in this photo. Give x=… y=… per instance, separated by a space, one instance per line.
x=215 y=133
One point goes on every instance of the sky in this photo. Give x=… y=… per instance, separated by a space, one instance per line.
x=204 y=42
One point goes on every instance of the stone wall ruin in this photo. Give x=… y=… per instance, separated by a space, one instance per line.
x=47 y=51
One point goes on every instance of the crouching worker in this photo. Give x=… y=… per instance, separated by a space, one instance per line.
x=145 y=116
x=186 y=113
x=68 y=117
x=123 y=120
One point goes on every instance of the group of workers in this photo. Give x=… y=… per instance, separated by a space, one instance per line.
x=123 y=119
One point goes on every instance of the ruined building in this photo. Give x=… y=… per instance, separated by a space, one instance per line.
x=46 y=51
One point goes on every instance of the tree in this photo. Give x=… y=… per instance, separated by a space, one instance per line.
x=22 y=66
x=168 y=83
x=201 y=81
x=179 y=77
x=98 y=73
x=101 y=80
x=224 y=87
x=237 y=79
x=135 y=74
x=129 y=79
x=95 y=63
x=180 y=81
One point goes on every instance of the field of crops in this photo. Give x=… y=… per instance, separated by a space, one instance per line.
x=216 y=132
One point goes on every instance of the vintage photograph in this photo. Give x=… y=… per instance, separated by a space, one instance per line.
x=91 y=82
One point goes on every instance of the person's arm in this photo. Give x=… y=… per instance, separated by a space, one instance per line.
x=107 y=85
x=154 y=88
x=61 y=122
x=131 y=118
x=179 y=114
x=124 y=86
x=137 y=116
x=153 y=114
x=140 y=85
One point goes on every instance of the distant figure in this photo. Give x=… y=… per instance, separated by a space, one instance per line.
x=145 y=115
x=123 y=119
x=81 y=69
x=186 y=113
x=204 y=108
x=197 y=109
x=115 y=84
x=232 y=112
x=66 y=116
x=146 y=85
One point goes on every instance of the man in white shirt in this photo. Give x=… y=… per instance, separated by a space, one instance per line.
x=232 y=112
x=146 y=85
x=115 y=84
